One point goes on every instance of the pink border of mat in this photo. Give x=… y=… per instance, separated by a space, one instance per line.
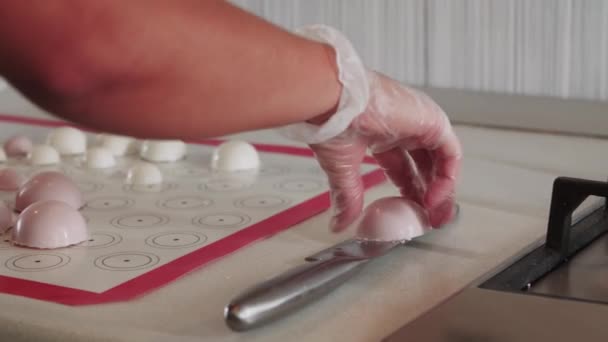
x=165 y=274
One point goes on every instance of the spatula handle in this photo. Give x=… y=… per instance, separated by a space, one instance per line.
x=289 y=291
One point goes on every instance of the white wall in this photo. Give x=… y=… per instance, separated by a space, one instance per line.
x=547 y=47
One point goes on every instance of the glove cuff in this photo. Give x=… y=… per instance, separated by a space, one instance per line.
x=355 y=88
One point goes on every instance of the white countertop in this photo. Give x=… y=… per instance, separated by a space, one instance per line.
x=504 y=196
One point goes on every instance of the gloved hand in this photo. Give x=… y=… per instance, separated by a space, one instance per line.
x=407 y=133
x=412 y=140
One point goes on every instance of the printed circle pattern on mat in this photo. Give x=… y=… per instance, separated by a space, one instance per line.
x=185 y=203
x=100 y=240
x=261 y=202
x=140 y=220
x=109 y=203
x=222 y=220
x=175 y=240
x=88 y=187
x=37 y=262
x=224 y=185
x=188 y=172
x=127 y=261
x=273 y=170
x=150 y=188
x=300 y=185
x=316 y=170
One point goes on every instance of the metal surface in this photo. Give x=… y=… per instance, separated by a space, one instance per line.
x=493 y=316
x=585 y=277
x=301 y=285
x=557 y=292
x=564 y=239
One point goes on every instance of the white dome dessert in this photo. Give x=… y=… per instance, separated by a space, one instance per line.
x=235 y=155
x=118 y=144
x=143 y=173
x=99 y=158
x=44 y=155
x=68 y=140
x=160 y=151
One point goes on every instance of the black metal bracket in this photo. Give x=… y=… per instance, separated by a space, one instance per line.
x=568 y=194
x=563 y=239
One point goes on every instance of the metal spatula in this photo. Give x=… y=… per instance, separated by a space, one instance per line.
x=303 y=284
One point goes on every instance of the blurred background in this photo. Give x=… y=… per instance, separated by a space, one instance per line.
x=557 y=48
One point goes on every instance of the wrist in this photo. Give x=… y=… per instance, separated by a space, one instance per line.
x=333 y=89
x=353 y=96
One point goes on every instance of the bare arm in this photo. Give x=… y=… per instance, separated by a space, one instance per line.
x=163 y=68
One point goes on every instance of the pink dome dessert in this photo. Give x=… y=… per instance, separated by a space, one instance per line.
x=392 y=219
x=18 y=146
x=49 y=224
x=49 y=185
x=10 y=179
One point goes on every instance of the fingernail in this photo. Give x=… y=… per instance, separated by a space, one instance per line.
x=442 y=214
x=333 y=224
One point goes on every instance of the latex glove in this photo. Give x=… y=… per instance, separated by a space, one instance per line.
x=408 y=134
x=412 y=140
